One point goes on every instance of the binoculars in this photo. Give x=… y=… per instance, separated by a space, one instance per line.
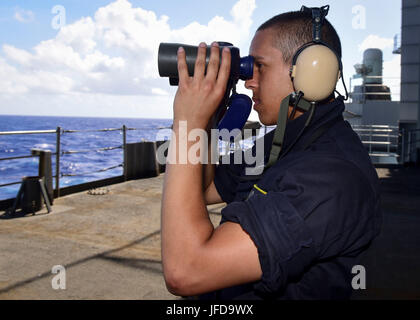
x=233 y=111
x=241 y=68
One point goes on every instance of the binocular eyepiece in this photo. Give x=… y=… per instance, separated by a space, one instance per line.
x=241 y=68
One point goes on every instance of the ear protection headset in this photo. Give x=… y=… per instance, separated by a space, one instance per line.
x=316 y=67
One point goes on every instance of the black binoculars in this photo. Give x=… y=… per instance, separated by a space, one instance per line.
x=238 y=105
x=241 y=68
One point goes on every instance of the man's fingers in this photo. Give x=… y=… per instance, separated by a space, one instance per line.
x=213 y=67
x=224 y=71
x=182 y=66
x=200 y=62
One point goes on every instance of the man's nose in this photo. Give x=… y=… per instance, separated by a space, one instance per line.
x=251 y=83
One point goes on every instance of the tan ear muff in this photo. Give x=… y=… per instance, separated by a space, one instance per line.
x=316 y=72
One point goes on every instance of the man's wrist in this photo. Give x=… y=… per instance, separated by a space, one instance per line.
x=189 y=143
x=189 y=124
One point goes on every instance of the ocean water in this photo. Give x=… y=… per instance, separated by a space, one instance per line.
x=82 y=165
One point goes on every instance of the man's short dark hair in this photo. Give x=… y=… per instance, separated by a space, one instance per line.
x=294 y=29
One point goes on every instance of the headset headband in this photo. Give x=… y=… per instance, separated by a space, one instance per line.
x=318 y=18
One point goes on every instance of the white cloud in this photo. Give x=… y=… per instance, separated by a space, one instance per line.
x=112 y=53
x=392 y=68
x=374 y=41
x=24 y=16
x=392 y=76
x=159 y=91
x=20 y=56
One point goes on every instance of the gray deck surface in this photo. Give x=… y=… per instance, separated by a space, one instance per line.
x=110 y=244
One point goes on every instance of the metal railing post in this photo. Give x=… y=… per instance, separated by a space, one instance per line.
x=57 y=161
x=125 y=160
x=402 y=146
x=409 y=146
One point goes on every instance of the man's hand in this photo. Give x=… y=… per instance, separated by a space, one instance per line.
x=198 y=97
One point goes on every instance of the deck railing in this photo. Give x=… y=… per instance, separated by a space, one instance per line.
x=59 y=152
x=360 y=90
x=380 y=141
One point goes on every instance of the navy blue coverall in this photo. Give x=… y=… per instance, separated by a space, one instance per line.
x=321 y=210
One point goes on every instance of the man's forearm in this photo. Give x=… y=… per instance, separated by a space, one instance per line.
x=209 y=170
x=185 y=221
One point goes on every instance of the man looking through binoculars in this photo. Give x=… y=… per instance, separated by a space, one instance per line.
x=296 y=231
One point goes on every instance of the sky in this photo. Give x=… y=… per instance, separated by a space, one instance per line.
x=98 y=58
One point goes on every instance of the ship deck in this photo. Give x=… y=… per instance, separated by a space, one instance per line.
x=109 y=244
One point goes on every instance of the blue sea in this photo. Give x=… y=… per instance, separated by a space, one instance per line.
x=82 y=165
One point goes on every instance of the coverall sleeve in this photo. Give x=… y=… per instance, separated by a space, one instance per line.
x=285 y=245
x=305 y=215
